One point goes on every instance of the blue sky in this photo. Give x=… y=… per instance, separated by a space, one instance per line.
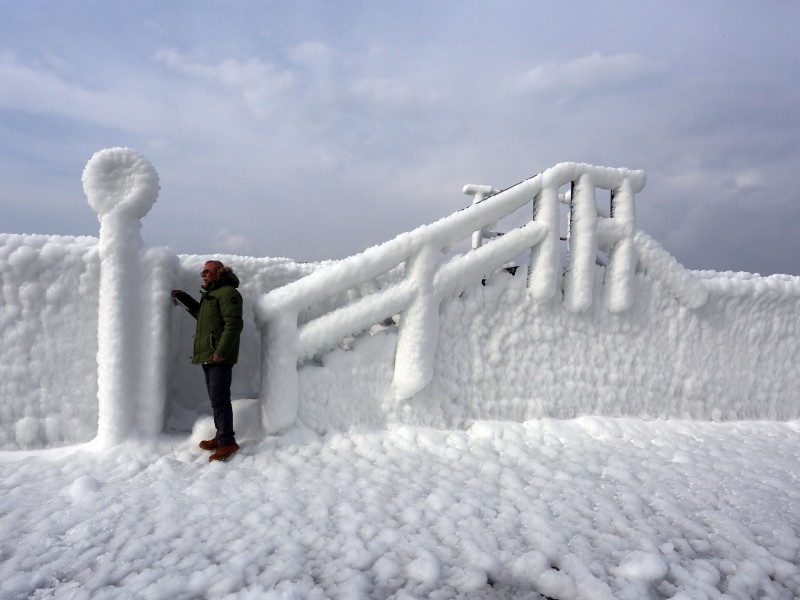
x=314 y=129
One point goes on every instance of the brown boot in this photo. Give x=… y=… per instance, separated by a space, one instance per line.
x=209 y=444
x=224 y=452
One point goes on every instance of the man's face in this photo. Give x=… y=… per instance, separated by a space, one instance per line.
x=209 y=273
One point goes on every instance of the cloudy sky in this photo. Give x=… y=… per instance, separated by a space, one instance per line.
x=313 y=129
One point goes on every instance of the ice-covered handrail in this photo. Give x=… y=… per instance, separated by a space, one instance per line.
x=425 y=283
x=690 y=290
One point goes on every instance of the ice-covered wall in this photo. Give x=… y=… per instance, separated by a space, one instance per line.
x=503 y=356
x=500 y=354
x=49 y=322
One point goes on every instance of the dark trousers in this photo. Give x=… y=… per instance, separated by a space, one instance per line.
x=218 y=383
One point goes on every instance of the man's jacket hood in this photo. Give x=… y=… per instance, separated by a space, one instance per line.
x=227 y=278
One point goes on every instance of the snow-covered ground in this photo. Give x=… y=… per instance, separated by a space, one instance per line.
x=585 y=508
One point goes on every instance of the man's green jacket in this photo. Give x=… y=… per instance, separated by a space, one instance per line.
x=219 y=320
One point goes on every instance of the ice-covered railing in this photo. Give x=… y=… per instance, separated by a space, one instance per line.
x=418 y=295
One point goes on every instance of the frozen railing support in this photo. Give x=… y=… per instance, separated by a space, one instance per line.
x=418 y=295
x=279 y=380
x=615 y=234
x=582 y=245
x=419 y=326
x=480 y=193
x=121 y=186
x=589 y=231
x=544 y=268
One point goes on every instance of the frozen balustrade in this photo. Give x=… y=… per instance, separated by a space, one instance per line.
x=418 y=295
x=136 y=343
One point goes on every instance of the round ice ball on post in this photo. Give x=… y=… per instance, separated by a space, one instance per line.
x=120 y=179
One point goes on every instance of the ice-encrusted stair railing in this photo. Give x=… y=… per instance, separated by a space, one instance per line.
x=425 y=283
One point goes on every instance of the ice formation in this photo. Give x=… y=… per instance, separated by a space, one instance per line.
x=508 y=467
x=534 y=352
x=122 y=186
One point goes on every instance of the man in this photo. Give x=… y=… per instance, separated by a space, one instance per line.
x=216 y=347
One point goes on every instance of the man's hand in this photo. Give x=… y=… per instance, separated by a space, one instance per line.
x=217 y=358
x=184 y=298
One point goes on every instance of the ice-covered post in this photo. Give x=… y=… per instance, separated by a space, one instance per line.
x=479 y=193
x=419 y=327
x=582 y=245
x=618 y=291
x=121 y=186
x=543 y=269
x=279 y=379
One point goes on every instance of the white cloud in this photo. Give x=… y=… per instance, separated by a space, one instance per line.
x=385 y=94
x=315 y=55
x=749 y=178
x=259 y=83
x=595 y=71
x=231 y=243
x=38 y=90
